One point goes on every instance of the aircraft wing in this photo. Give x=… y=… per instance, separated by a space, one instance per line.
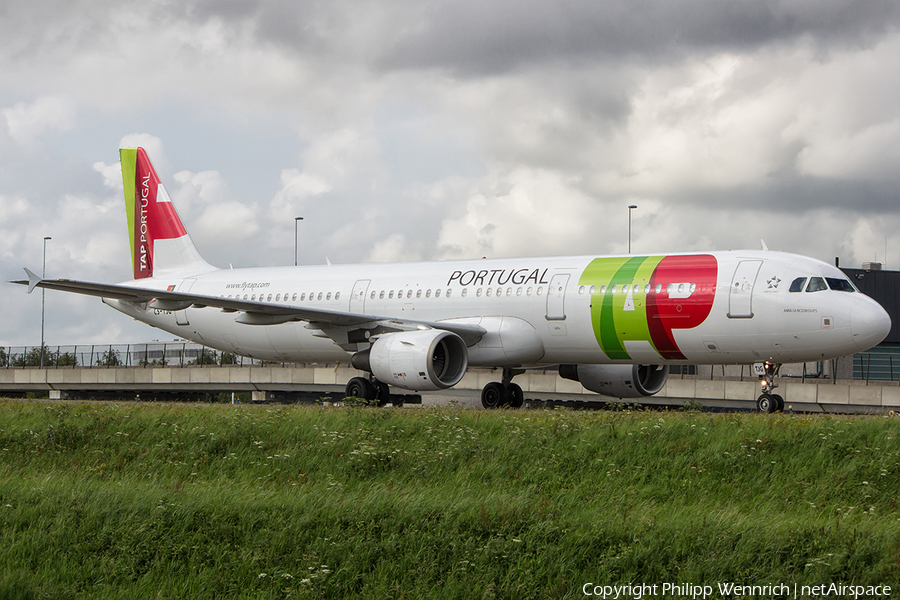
x=345 y=328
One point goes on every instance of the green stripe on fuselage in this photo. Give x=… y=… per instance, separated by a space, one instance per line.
x=617 y=316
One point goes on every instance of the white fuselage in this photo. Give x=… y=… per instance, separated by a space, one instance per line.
x=720 y=308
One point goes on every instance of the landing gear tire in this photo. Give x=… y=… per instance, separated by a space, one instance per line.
x=766 y=403
x=359 y=387
x=493 y=395
x=381 y=393
x=779 y=402
x=516 y=395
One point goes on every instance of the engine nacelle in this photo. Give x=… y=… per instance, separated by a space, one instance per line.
x=618 y=381
x=424 y=360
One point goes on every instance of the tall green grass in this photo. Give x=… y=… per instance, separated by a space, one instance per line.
x=128 y=501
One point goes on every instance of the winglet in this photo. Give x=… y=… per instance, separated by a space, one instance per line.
x=762 y=243
x=33 y=280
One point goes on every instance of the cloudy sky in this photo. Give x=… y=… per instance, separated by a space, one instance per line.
x=407 y=130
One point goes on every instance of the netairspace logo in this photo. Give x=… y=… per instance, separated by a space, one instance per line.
x=732 y=590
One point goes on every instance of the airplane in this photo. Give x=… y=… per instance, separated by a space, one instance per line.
x=612 y=323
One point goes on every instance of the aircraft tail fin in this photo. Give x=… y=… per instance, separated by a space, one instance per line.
x=159 y=241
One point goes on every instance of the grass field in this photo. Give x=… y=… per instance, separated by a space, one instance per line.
x=211 y=501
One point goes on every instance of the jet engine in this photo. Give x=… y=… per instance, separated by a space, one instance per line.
x=424 y=360
x=618 y=381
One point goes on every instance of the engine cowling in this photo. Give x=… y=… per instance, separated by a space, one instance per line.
x=424 y=360
x=618 y=381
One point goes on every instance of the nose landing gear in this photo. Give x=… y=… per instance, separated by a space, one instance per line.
x=767 y=401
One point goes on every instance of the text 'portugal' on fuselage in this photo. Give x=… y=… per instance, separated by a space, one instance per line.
x=611 y=322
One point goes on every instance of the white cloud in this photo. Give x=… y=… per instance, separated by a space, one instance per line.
x=214 y=219
x=112 y=174
x=28 y=122
x=296 y=186
x=520 y=213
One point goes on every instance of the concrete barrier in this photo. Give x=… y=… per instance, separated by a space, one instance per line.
x=823 y=395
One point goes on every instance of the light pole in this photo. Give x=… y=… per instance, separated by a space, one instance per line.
x=296 y=220
x=43 y=274
x=631 y=207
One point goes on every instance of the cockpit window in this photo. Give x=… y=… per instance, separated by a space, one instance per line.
x=797 y=284
x=816 y=284
x=840 y=285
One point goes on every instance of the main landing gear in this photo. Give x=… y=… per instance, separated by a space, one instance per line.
x=767 y=401
x=368 y=389
x=505 y=393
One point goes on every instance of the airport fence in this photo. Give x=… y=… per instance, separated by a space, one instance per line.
x=162 y=354
x=877 y=365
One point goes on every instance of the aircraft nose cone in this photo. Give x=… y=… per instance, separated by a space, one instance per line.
x=869 y=324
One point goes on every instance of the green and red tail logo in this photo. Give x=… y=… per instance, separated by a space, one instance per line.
x=151 y=215
x=646 y=298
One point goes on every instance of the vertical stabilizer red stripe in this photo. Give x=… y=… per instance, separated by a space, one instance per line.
x=155 y=217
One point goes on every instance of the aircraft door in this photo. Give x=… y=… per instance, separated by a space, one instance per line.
x=358 y=296
x=740 y=298
x=556 y=303
x=181 y=317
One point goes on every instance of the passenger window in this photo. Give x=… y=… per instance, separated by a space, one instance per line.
x=478 y=292
x=488 y=292
x=614 y=289
x=381 y=295
x=328 y=296
x=658 y=288
x=428 y=293
x=499 y=292
x=797 y=284
x=437 y=293
x=593 y=289
x=294 y=298
x=278 y=298
x=418 y=293
x=816 y=284
x=337 y=296
x=269 y=299
x=528 y=292
x=391 y=295
x=449 y=291
x=509 y=291
x=602 y=289
x=693 y=287
x=540 y=291
x=581 y=290
x=518 y=291
x=465 y=292
x=647 y=289
x=253 y=297
x=319 y=297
